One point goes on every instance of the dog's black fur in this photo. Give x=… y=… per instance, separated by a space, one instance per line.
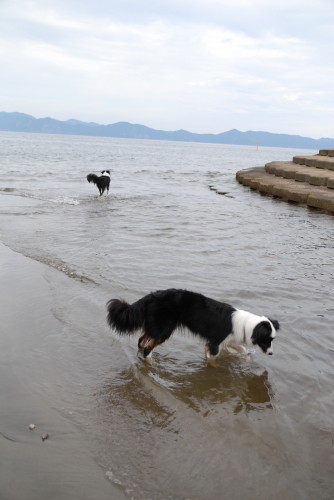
x=102 y=181
x=159 y=313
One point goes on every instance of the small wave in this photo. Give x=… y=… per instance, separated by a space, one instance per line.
x=60 y=266
x=7 y=190
x=61 y=200
x=64 y=200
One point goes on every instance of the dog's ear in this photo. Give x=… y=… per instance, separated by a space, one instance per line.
x=275 y=323
x=261 y=332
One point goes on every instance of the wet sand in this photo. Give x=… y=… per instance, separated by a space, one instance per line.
x=62 y=466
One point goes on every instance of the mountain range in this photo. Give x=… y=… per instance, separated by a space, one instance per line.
x=21 y=122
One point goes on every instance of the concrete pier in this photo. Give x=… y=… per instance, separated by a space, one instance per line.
x=306 y=179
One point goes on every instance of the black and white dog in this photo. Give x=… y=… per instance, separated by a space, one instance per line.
x=102 y=181
x=159 y=313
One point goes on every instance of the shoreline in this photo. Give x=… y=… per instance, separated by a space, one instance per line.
x=62 y=466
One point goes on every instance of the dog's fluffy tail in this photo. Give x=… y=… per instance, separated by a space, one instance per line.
x=124 y=317
x=92 y=178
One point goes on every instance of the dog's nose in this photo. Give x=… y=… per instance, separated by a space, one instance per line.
x=270 y=353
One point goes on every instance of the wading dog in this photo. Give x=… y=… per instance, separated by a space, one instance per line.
x=102 y=182
x=159 y=313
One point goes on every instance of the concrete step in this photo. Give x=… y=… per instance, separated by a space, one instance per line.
x=301 y=173
x=288 y=189
x=326 y=152
x=317 y=161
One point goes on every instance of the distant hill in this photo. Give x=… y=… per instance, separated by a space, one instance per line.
x=20 y=122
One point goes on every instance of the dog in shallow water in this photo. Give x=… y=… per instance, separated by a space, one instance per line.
x=159 y=313
x=102 y=182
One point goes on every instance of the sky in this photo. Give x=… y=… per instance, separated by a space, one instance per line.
x=206 y=66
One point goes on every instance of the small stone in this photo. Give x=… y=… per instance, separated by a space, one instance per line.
x=32 y=426
x=44 y=436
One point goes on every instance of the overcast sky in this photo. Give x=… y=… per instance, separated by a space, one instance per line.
x=200 y=65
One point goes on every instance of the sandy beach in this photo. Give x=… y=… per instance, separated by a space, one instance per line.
x=62 y=466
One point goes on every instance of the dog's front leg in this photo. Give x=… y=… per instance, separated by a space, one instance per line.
x=236 y=348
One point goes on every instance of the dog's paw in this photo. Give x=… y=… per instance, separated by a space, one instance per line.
x=237 y=349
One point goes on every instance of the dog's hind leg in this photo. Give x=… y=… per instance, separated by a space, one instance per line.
x=156 y=335
x=148 y=349
x=143 y=339
x=211 y=350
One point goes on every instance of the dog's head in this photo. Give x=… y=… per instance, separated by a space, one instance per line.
x=105 y=172
x=264 y=333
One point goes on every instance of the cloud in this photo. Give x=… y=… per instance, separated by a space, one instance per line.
x=204 y=66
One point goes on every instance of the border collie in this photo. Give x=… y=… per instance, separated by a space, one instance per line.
x=101 y=182
x=159 y=313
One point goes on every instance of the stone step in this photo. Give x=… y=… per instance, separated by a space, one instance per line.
x=306 y=179
x=317 y=161
x=301 y=173
x=326 y=152
x=288 y=189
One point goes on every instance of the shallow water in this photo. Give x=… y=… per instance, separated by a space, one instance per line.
x=180 y=428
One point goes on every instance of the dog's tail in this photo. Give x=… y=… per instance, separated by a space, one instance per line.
x=124 y=317
x=92 y=178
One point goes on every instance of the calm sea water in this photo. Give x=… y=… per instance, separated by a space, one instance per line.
x=180 y=428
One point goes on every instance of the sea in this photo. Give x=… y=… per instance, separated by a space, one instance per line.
x=255 y=426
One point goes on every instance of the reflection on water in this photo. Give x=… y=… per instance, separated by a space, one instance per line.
x=204 y=387
x=227 y=382
x=181 y=418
